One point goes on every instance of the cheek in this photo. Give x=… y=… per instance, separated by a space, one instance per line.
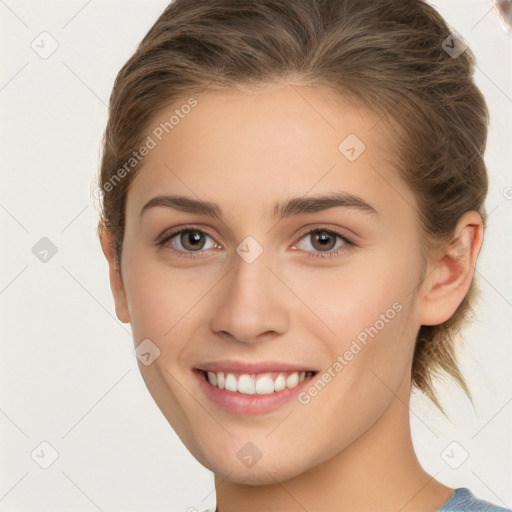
x=162 y=300
x=364 y=317
x=363 y=292
x=368 y=359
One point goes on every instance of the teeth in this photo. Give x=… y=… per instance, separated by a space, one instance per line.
x=261 y=384
x=246 y=385
x=212 y=378
x=221 y=382
x=279 y=383
x=292 y=380
x=231 y=384
x=264 y=385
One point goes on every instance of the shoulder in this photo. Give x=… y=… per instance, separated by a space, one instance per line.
x=463 y=500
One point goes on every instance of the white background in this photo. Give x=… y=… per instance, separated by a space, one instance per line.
x=68 y=374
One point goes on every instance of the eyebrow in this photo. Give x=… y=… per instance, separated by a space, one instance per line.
x=282 y=209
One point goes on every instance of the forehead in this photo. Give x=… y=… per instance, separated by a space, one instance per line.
x=245 y=148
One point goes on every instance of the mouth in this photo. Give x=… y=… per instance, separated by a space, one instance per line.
x=248 y=394
x=265 y=383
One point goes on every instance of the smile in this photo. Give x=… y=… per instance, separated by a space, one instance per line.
x=256 y=384
x=250 y=394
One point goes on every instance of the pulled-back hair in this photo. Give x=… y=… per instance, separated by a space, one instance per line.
x=387 y=56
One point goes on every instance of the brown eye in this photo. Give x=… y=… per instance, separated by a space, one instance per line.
x=324 y=243
x=188 y=240
x=323 y=240
x=192 y=240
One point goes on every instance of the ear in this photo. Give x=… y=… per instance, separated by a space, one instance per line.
x=450 y=272
x=116 y=281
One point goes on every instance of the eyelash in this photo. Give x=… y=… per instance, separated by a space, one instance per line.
x=192 y=254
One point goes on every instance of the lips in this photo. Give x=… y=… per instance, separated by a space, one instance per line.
x=251 y=367
x=252 y=388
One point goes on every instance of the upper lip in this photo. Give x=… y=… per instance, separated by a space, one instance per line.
x=252 y=367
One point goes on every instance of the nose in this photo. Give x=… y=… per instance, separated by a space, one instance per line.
x=250 y=303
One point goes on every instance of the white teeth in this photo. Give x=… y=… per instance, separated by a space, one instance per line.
x=212 y=378
x=280 y=383
x=220 y=380
x=246 y=385
x=264 y=385
x=261 y=384
x=292 y=380
x=230 y=384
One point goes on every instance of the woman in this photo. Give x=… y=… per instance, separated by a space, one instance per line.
x=293 y=206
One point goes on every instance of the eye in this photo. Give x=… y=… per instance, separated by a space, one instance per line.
x=326 y=242
x=187 y=240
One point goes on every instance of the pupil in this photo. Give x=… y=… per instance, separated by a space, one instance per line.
x=192 y=237
x=323 y=237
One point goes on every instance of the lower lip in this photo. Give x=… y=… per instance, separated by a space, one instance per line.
x=249 y=405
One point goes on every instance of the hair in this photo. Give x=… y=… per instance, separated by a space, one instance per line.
x=385 y=56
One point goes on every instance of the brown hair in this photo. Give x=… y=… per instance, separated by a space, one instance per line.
x=387 y=56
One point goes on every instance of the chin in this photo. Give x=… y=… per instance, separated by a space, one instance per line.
x=263 y=472
x=261 y=476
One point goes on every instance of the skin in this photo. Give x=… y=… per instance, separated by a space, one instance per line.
x=244 y=151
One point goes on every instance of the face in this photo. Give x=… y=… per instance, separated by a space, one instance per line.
x=260 y=286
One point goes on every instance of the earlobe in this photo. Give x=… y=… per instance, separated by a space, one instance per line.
x=116 y=282
x=450 y=273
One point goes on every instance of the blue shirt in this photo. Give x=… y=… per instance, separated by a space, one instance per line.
x=463 y=500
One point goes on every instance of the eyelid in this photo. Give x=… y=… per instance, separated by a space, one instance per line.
x=343 y=233
x=168 y=234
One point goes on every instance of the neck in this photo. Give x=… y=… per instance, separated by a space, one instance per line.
x=379 y=471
